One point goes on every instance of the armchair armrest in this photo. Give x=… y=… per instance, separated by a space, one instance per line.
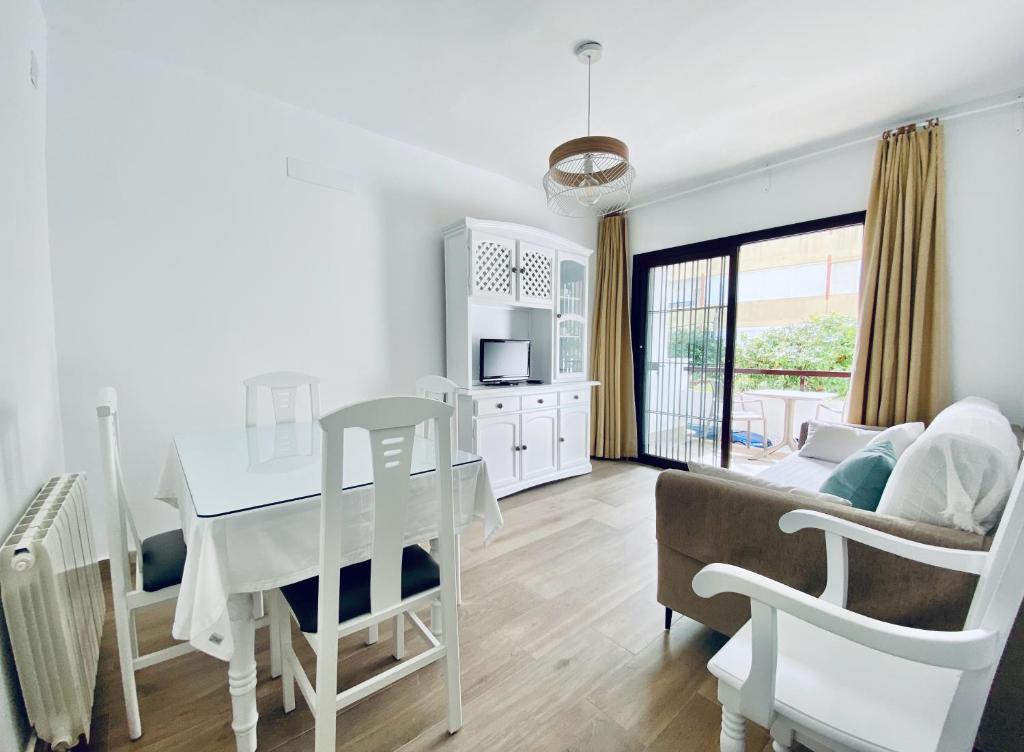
x=967 y=650
x=957 y=559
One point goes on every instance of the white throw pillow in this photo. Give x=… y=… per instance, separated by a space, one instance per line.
x=959 y=472
x=752 y=480
x=901 y=436
x=834 y=442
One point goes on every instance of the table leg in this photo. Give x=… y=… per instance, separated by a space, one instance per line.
x=790 y=409
x=242 y=671
x=435 y=605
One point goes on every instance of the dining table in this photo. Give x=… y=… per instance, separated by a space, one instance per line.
x=249 y=502
x=790 y=398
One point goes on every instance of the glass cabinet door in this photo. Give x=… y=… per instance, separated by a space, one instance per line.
x=571 y=318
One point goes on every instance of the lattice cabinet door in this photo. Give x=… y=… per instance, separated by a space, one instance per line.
x=491 y=271
x=535 y=275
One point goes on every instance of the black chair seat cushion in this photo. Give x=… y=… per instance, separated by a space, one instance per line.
x=419 y=573
x=163 y=560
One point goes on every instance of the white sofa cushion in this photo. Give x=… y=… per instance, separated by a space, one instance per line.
x=834 y=442
x=901 y=436
x=959 y=472
x=761 y=482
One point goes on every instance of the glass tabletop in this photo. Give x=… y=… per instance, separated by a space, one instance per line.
x=241 y=469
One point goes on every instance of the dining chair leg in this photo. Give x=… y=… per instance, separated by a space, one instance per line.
x=668 y=617
x=287 y=653
x=326 y=714
x=399 y=651
x=373 y=634
x=458 y=568
x=778 y=746
x=124 y=628
x=453 y=673
x=435 y=605
x=273 y=609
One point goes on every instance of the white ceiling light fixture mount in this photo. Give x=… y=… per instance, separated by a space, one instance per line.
x=589 y=176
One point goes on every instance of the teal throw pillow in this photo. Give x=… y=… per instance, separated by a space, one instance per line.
x=862 y=476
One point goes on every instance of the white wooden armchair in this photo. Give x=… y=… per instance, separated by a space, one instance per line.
x=813 y=672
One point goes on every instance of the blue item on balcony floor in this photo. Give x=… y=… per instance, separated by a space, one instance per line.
x=738 y=437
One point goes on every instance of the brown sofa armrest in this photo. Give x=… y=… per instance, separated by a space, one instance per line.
x=716 y=520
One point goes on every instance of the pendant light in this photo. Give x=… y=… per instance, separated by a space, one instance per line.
x=589 y=176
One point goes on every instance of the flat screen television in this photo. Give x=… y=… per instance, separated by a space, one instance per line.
x=504 y=361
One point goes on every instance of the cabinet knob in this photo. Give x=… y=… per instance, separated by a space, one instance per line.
x=499 y=406
x=562 y=439
x=540 y=401
x=575 y=396
x=523 y=447
x=558 y=315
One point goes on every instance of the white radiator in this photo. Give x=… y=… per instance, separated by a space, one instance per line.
x=54 y=606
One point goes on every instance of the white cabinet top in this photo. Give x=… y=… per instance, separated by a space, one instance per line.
x=501 y=391
x=517 y=232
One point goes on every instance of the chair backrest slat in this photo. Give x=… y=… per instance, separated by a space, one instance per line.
x=284 y=390
x=391 y=423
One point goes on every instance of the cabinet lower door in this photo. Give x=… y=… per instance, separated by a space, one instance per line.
x=497 y=441
x=573 y=436
x=539 y=453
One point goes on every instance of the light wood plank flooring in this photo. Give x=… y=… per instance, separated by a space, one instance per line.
x=562 y=649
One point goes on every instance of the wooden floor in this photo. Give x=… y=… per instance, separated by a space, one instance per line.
x=563 y=648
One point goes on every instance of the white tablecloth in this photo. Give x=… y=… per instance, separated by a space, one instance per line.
x=265 y=548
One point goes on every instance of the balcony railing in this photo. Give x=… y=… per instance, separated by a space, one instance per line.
x=803 y=375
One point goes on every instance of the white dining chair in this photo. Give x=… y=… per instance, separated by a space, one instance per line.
x=828 y=413
x=395 y=582
x=284 y=390
x=445 y=390
x=159 y=563
x=815 y=673
x=746 y=410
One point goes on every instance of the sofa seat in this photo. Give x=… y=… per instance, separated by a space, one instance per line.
x=798 y=472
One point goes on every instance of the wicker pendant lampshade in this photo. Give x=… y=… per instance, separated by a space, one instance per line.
x=589 y=176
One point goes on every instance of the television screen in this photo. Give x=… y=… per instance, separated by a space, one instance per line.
x=504 y=359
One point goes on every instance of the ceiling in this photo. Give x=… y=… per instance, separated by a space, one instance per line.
x=695 y=88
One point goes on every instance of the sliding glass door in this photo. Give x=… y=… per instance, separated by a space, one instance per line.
x=782 y=323
x=686 y=310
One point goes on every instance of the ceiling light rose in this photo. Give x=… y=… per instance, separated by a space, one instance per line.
x=591 y=175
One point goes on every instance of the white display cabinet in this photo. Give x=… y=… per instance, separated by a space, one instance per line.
x=508 y=281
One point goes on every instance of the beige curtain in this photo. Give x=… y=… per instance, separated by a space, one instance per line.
x=900 y=369
x=613 y=414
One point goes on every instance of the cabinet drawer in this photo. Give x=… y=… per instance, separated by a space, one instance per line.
x=535 y=401
x=497 y=405
x=574 y=396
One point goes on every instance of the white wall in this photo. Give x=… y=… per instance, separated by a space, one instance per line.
x=185 y=260
x=985 y=221
x=30 y=430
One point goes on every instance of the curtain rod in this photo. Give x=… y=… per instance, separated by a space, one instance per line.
x=1015 y=100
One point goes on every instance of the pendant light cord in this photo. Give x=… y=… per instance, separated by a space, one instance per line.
x=589 y=61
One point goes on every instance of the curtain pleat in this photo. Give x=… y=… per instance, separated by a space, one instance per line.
x=613 y=412
x=900 y=368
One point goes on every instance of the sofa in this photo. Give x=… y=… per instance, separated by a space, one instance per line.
x=704 y=519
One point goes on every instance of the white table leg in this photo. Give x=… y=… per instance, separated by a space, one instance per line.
x=790 y=409
x=242 y=671
x=435 y=605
